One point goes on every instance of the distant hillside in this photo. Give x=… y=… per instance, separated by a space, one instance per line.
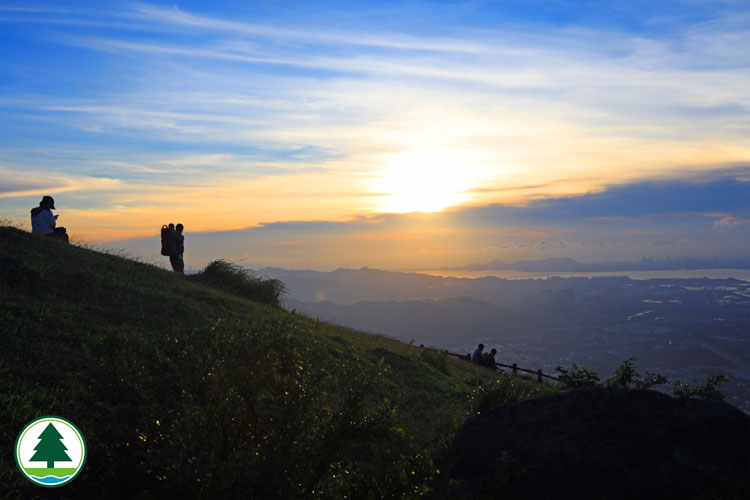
x=346 y=286
x=690 y=328
x=568 y=265
x=189 y=390
x=551 y=264
x=435 y=322
x=349 y=286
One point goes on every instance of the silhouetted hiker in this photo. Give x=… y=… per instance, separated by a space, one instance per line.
x=43 y=222
x=170 y=242
x=178 y=264
x=477 y=356
x=488 y=359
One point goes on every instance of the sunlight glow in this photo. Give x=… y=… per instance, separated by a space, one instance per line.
x=425 y=180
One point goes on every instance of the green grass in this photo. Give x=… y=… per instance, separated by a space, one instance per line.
x=228 y=277
x=185 y=387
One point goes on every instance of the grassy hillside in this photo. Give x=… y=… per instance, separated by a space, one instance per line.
x=185 y=387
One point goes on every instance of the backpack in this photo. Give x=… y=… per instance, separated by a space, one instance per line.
x=167 y=241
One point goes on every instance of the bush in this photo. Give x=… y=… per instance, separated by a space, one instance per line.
x=234 y=279
x=626 y=377
x=707 y=391
x=576 y=377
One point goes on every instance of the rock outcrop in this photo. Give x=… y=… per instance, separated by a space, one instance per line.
x=606 y=443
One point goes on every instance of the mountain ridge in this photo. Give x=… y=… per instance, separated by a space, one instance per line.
x=567 y=264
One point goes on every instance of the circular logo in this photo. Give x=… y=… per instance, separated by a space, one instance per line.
x=50 y=451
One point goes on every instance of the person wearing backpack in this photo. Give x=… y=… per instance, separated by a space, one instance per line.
x=169 y=243
x=173 y=245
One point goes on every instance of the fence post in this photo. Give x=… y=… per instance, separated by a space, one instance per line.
x=515 y=369
x=539 y=375
x=468 y=357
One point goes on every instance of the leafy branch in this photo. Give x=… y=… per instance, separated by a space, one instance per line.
x=627 y=377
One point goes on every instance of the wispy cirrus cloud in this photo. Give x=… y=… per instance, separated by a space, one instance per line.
x=178 y=17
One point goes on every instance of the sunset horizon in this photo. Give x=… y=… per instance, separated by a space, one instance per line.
x=393 y=135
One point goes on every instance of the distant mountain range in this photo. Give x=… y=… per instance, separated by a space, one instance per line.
x=349 y=286
x=688 y=328
x=568 y=265
x=437 y=321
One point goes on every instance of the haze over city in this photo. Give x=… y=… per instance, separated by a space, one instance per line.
x=391 y=134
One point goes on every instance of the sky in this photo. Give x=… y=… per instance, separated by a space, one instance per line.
x=385 y=134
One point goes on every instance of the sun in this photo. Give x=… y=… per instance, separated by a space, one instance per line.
x=424 y=181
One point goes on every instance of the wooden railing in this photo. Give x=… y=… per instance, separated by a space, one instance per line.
x=540 y=375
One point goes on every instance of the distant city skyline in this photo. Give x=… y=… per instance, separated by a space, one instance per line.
x=391 y=134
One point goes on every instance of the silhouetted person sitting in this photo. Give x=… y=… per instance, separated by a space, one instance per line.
x=43 y=222
x=177 y=261
x=477 y=356
x=488 y=359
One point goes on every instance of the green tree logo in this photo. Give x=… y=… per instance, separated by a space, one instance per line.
x=50 y=451
x=51 y=448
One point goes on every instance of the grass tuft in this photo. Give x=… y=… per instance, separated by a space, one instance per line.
x=229 y=277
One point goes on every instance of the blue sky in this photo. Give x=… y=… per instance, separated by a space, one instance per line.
x=314 y=123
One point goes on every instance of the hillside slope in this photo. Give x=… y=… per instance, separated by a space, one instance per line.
x=181 y=389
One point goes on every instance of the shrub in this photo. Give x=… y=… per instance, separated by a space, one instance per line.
x=234 y=279
x=576 y=377
x=707 y=391
x=626 y=377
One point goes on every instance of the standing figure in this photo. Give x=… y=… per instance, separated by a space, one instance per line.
x=43 y=222
x=170 y=245
x=178 y=263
